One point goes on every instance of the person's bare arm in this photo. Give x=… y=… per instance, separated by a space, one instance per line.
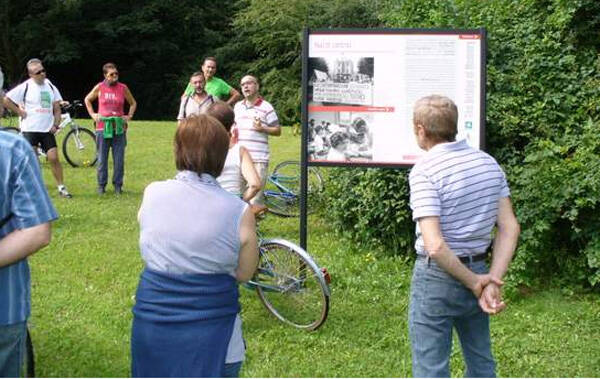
x=14 y=108
x=250 y=175
x=132 y=104
x=234 y=96
x=21 y=243
x=274 y=130
x=505 y=244
x=248 y=259
x=438 y=250
x=57 y=111
x=89 y=99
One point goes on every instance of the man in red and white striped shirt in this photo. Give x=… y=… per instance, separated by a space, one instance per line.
x=256 y=119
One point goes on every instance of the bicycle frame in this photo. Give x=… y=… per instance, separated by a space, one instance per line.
x=65 y=120
x=276 y=181
x=283 y=192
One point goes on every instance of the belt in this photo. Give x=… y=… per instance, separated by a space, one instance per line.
x=473 y=258
x=464 y=259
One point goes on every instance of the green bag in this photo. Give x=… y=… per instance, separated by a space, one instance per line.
x=113 y=126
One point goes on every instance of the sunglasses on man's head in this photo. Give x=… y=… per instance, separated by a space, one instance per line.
x=39 y=72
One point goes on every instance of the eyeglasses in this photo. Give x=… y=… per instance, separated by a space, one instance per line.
x=39 y=72
x=113 y=74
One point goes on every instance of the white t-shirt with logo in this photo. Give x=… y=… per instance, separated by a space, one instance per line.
x=38 y=104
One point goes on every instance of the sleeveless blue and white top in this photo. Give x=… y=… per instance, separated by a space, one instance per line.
x=190 y=225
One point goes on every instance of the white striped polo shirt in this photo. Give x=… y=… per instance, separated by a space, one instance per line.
x=256 y=142
x=462 y=186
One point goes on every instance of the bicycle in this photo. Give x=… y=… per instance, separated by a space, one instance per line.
x=289 y=282
x=9 y=121
x=79 y=146
x=282 y=190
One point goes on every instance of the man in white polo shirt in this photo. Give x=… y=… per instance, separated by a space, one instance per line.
x=256 y=120
x=36 y=101
x=457 y=195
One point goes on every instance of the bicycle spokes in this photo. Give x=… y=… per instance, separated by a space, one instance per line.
x=291 y=285
x=78 y=142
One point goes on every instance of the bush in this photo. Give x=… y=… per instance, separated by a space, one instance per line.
x=370 y=206
x=543 y=98
x=558 y=203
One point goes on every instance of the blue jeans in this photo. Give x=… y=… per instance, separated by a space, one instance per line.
x=117 y=143
x=439 y=303
x=12 y=349
x=232 y=370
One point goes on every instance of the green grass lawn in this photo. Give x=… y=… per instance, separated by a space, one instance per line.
x=84 y=283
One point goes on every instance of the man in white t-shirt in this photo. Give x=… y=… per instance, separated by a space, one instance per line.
x=36 y=101
x=256 y=120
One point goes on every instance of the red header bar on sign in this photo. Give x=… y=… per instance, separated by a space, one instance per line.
x=469 y=36
x=348 y=108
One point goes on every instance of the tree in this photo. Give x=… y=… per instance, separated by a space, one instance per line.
x=269 y=35
x=24 y=32
x=155 y=43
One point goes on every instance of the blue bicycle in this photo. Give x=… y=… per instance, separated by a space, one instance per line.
x=282 y=190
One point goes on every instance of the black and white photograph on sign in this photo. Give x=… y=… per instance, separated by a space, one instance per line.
x=341 y=80
x=340 y=137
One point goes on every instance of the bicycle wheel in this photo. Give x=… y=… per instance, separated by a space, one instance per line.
x=9 y=120
x=10 y=129
x=79 y=147
x=287 y=173
x=291 y=285
x=280 y=203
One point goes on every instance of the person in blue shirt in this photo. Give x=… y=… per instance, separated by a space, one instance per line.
x=25 y=215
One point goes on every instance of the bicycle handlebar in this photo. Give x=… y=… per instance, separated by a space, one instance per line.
x=71 y=107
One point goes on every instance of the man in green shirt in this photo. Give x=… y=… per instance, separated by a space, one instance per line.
x=214 y=86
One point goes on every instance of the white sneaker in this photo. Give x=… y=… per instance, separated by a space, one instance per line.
x=62 y=191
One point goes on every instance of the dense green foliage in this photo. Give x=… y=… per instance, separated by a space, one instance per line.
x=156 y=44
x=542 y=125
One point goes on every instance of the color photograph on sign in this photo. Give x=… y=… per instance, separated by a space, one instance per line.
x=361 y=87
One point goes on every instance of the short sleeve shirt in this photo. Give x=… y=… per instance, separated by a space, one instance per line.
x=215 y=86
x=257 y=143
x=38 y=101
x=24 y=199
x=190 y=106
x=462 y=186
